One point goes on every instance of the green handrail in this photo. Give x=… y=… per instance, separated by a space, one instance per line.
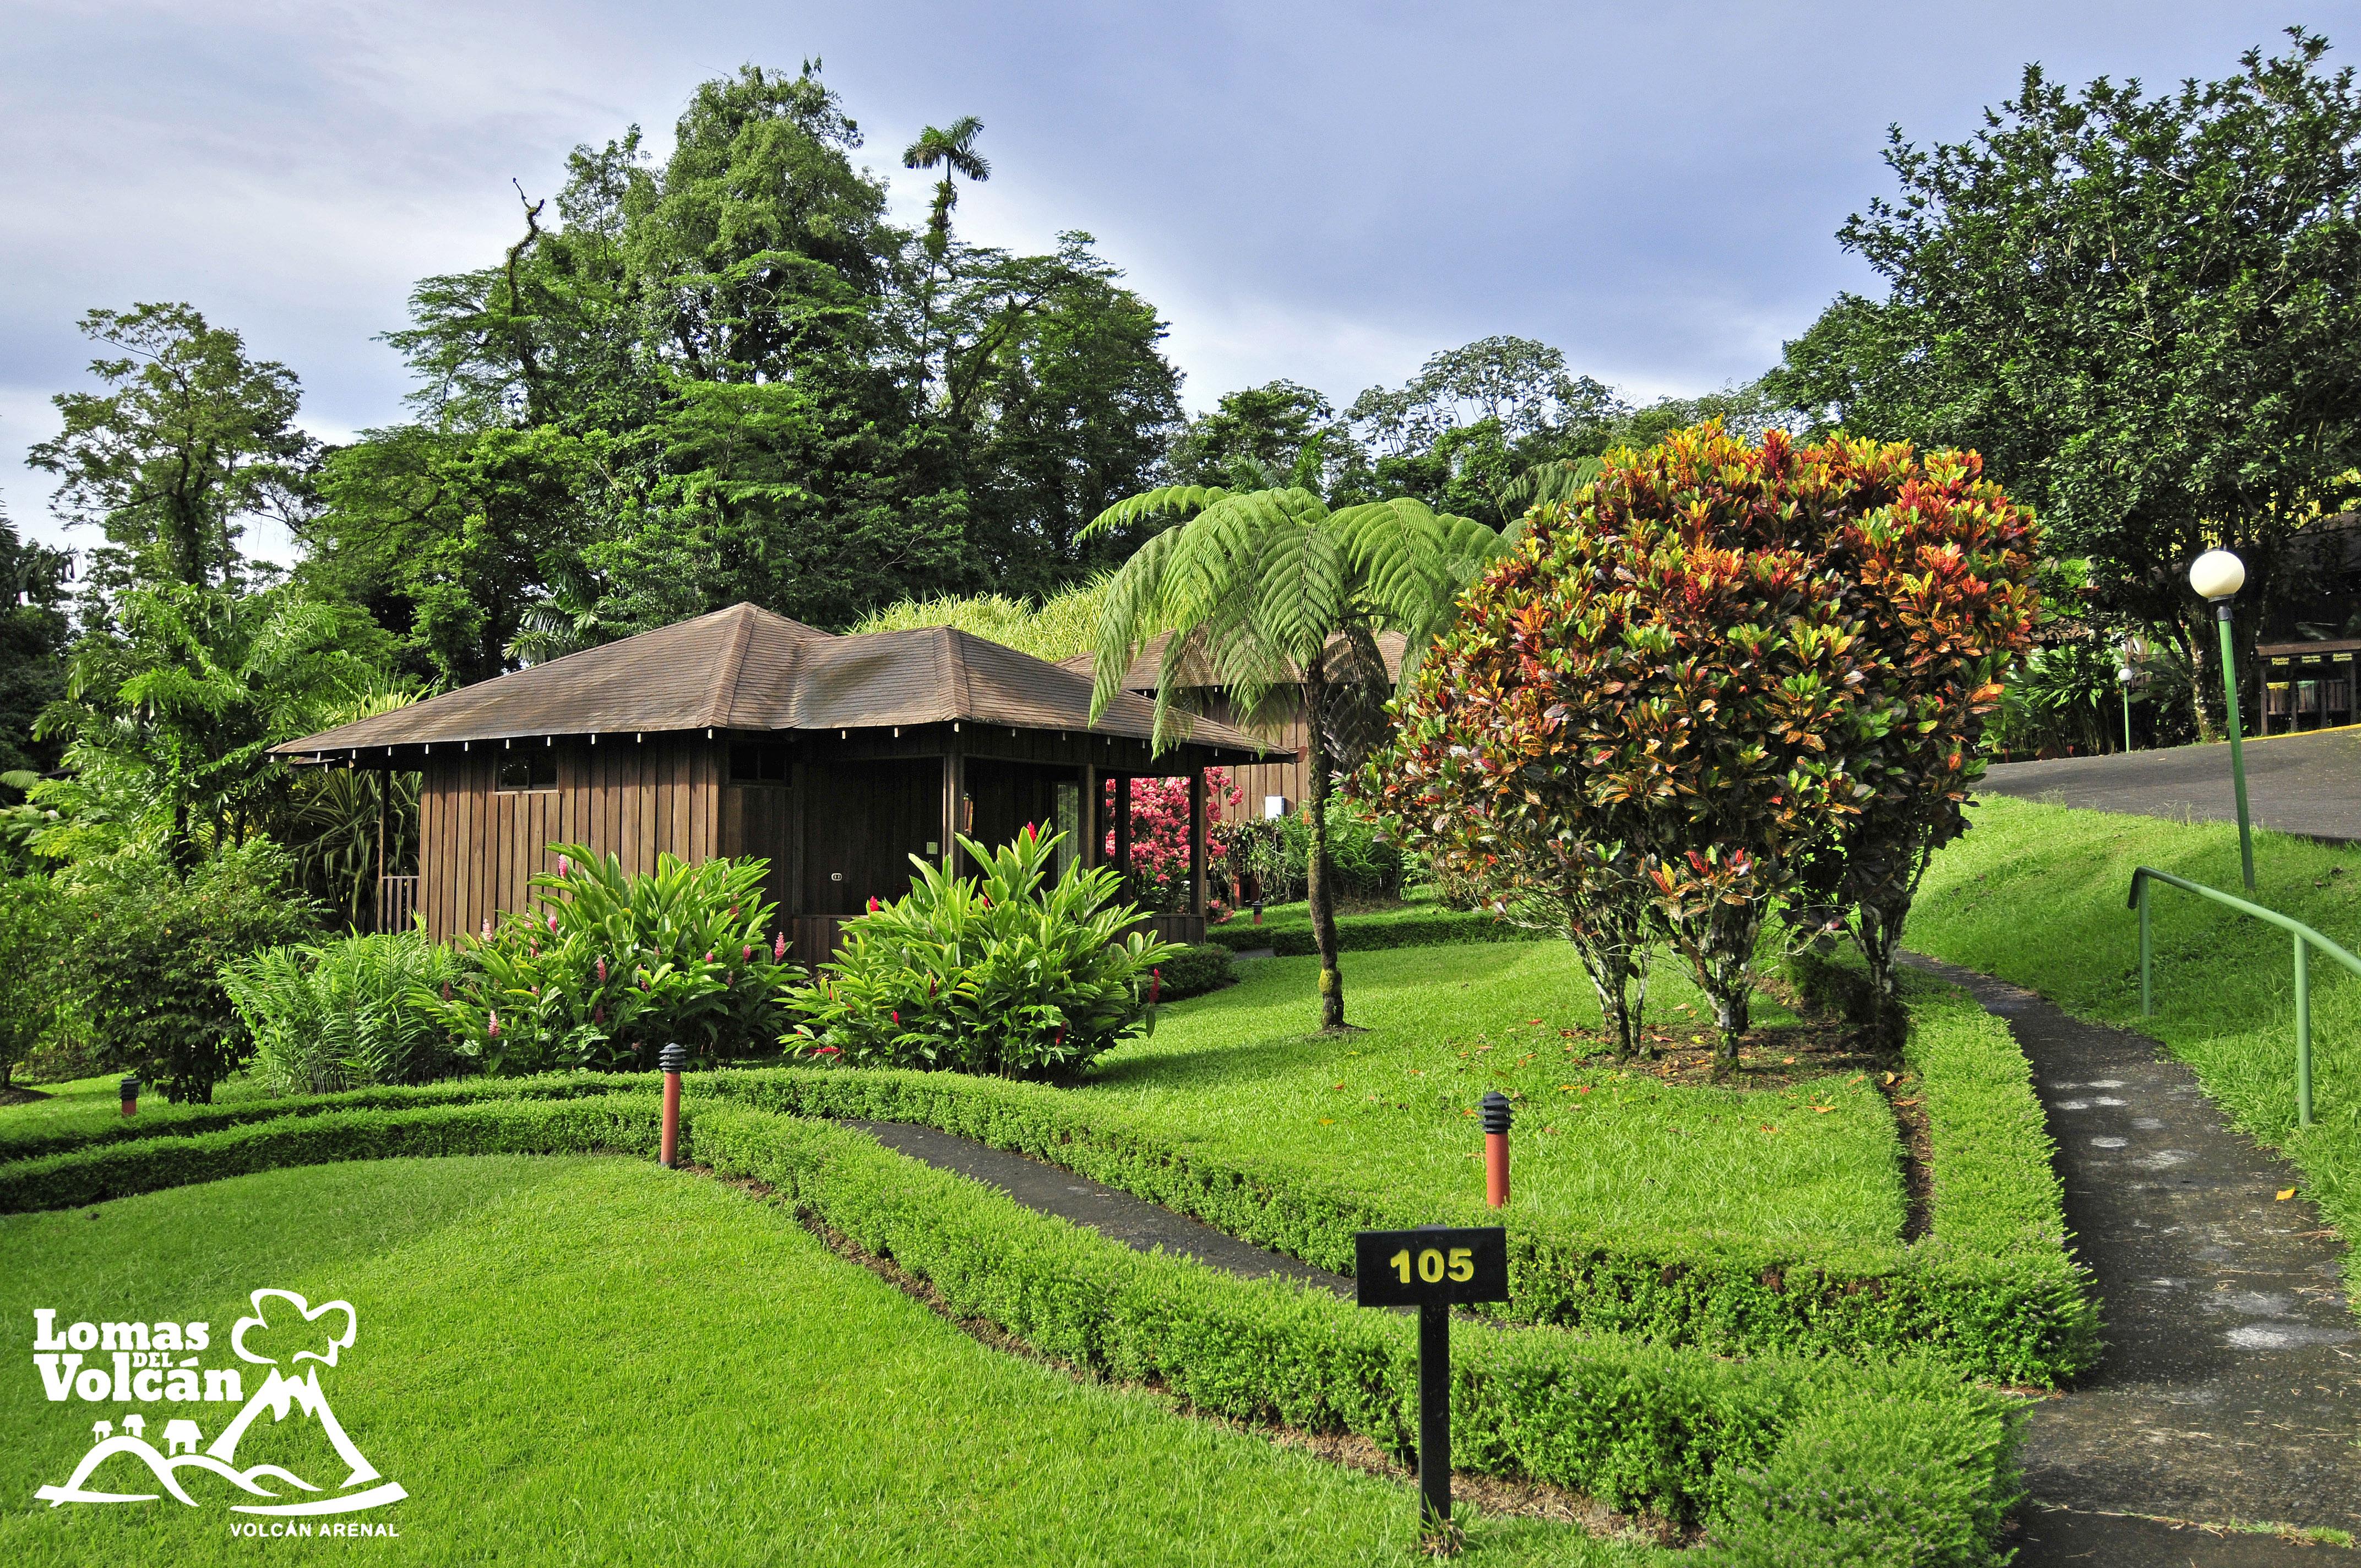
x=2305 y=937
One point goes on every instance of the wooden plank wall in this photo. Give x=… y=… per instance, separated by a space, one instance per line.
x=479 y=845
x=1290 y=777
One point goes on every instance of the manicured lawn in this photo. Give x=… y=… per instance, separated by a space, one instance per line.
x=1234 y=1074
x=591 y=1360
x=2036 y=894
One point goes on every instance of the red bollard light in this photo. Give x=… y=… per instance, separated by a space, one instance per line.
x=130 y=1095
x=672 y=1059
x=1496 y=1112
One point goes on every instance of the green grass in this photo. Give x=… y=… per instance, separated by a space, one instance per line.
x=2035 y=895
x=1233 y=1075
x=1286 y=927
x=585 y=1360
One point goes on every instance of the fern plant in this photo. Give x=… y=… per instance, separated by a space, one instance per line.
x=1268 y=591
x=346 y=1014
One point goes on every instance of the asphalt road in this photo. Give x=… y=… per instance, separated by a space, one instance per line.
x=2308 y=784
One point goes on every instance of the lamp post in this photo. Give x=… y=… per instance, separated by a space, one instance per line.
x=2124 y=676
x=2217 y=575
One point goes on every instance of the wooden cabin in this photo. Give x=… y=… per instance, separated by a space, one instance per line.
x=741 y=732
x=1271 y=786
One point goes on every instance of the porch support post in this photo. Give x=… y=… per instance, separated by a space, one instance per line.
x=1123 y=830
x=954 y=787
x=1089 y=848
x=1197 y=842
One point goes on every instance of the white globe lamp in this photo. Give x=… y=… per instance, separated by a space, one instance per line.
x=2217 y=575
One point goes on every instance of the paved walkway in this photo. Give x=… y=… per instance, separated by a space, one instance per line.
x=2231 y=1385
x=2231 y=1388
x=2308 y=784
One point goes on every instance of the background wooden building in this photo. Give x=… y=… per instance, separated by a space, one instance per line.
x=745 y=733
x=1283 y=776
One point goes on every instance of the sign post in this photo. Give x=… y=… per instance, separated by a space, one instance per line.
x=1433 y=1268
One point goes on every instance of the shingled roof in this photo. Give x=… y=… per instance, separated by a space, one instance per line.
x=746 y=669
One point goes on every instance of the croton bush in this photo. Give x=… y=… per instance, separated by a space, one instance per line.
x=1011 y=972
x=1722 y=677
x=605 y=970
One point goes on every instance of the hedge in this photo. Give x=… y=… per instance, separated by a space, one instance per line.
x=1195 y=970
x=628 y=1122
x=1989 y=1291
x=1762 y=1451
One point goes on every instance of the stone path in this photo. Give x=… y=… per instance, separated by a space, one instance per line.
x=2308 y=784
x=2231 y=1385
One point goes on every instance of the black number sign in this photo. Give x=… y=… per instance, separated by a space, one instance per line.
x=1432 y=1266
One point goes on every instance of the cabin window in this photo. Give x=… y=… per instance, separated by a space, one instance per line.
x=530 y=770
x=1068 y=798
x=757 y=761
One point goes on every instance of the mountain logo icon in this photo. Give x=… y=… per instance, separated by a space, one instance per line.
x=277 y=1315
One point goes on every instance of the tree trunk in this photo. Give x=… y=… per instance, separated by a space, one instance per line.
x=1319 y=877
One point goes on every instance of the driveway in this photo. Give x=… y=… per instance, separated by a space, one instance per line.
x=2307 y=783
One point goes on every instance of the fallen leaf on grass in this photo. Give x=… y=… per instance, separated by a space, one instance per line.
x=1769 y=1128
x=1340 y=1086
x=1786 y=1061
x=1330 y=1121
x=1823 y=1110
x=2285 y=1195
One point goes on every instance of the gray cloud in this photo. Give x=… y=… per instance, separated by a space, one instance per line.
x=1322 y=192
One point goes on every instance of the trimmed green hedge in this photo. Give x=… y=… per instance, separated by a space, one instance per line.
x=1747 y=1447
x=628 y=1122
x=1990 y=1290
x=1195 y=971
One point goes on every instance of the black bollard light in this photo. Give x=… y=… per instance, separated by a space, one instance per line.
x=672 y=1059
x=130 y=1094
x=1496 y=1112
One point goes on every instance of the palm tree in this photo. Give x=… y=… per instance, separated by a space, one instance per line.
x=952 y=151
x=1266 y=588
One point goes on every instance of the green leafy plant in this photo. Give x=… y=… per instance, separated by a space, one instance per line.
x=31 y=932
x=1006 y=974
x=148 y=948
x=345 y=1013
x=606 y=968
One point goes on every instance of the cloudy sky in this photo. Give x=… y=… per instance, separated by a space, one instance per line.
x=1328 y=192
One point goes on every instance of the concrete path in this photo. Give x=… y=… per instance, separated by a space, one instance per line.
x=2307 y=783
x=2230 y=1387
x=1115 y=1214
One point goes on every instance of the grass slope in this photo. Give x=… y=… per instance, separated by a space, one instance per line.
x=586 y=1361
x=1234 y=1075
x=2035 y=895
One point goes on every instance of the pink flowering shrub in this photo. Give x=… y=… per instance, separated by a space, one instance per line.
x=1160 y=837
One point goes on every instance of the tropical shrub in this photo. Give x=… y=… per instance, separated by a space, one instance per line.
x=346 y=1014
x=1940 y=565
x=1723 y=676
x=1006 y=974
x=1160 y=837
x=1191 y=971
x=149 y=944
x=31 y=941
x=606 y=969
x=1366 y=861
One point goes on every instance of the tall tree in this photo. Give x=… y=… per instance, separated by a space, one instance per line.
x=33 y=631
x=192 y=437
x=953 y=150
x=1268 y=591
x=2144 y=310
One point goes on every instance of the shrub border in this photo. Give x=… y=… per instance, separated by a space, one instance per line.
x=1747 y=1447
x=1990 y=1290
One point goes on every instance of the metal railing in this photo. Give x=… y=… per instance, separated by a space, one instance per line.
x=2306 y=938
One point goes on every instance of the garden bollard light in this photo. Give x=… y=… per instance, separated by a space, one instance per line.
x=131 y=1095
x=1495 y=1148
x=672 y=1059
